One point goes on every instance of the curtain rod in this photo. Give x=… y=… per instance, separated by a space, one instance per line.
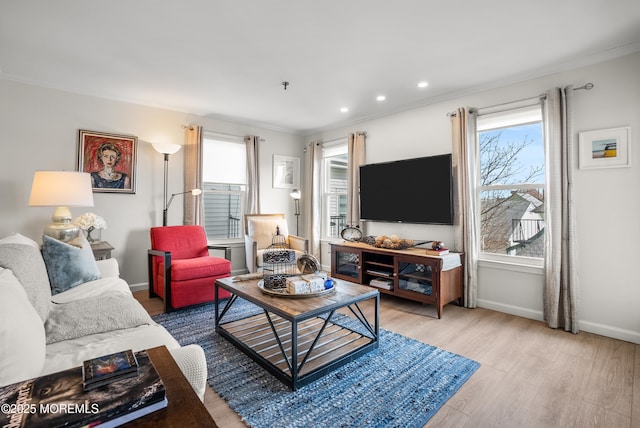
x=587 y=86
x=221 y=134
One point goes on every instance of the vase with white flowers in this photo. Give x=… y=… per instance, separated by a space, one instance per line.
x=92 y=226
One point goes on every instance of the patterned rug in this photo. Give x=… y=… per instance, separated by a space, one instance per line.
x=401 y=384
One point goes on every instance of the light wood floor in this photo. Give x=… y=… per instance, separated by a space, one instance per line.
x=530 y=375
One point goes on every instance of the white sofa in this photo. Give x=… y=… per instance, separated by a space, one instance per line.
x=42 y=333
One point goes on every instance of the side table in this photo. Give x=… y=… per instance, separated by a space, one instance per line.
x=101 y=250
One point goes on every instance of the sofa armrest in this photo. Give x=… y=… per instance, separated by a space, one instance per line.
x=166 y=255
x=193 y=364
x=251 y=251
x=109 y=268
x=298 y=243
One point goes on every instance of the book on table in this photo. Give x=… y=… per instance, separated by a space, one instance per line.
x=103 y=370
x=59 y=399
x=440 y=252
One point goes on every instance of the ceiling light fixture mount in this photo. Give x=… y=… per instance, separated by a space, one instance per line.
x=284 y=85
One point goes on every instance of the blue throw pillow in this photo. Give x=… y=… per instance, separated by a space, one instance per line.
x=68 y=264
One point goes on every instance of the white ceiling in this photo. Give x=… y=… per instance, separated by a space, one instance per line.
x=227 y=59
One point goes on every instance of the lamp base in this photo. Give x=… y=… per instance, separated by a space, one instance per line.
x=61 y=227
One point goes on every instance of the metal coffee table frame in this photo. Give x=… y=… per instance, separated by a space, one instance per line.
x=296 y=340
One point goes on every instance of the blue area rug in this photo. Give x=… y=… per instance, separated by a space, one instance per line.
x=401 y=384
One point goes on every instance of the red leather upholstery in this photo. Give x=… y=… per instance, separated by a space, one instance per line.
x=193 y=271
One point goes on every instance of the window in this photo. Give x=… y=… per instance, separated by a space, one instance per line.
x=334 y=211
x=224 y=186
x=511 y=185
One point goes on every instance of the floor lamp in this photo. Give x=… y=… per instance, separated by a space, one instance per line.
x=166 y=149
x=296 y=195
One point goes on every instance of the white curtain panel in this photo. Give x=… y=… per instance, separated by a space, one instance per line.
x=356 y=158
x=465 y=164
x=561 y=279
x=193 y=207
x=252 y=143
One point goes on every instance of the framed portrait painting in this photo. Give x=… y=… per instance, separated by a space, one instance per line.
x=606 y=148
x=110 y=159
x=286 y=172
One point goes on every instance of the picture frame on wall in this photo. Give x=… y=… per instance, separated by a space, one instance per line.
x=110 y=159
x=286 y=172
x=605 y=148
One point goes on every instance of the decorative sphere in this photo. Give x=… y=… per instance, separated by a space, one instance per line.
x=328 y=283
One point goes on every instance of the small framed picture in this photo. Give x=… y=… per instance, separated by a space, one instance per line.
x=286 y=172
x=606 y=148
x=110 y=159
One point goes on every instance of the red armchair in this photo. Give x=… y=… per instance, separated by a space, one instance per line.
x=181 y=271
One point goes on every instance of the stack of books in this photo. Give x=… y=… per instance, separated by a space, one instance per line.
x=60 y=399
x=387 y=284
x=440 y=252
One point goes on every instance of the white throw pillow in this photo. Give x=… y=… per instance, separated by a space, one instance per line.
x=22 y=339
x=262 y=230
x=22 y=255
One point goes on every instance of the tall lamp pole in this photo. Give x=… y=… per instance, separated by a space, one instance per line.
x=166 y=150
x=296 y=195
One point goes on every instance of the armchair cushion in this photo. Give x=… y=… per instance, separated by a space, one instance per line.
x=199 y=267
x=262 y=230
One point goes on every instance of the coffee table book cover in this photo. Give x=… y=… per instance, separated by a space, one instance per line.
x=58 y=399
x=102 y=370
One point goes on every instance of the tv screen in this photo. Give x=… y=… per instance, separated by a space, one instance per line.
x=411 y=191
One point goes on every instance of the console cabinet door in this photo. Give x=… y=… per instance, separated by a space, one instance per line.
x=346 y=264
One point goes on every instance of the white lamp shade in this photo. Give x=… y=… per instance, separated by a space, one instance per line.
x=295 y=194
x=166 y=148
x=61 y=188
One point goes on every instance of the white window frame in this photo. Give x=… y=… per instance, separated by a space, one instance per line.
x=519 y=116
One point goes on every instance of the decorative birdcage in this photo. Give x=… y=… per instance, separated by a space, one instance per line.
x=279 y=263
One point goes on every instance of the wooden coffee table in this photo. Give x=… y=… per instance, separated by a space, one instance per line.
x=299 y=340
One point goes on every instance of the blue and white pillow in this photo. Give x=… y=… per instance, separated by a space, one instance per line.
x=68 y=264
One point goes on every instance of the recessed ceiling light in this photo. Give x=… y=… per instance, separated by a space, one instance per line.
x=344 y=109
x=381 y=98
x=423 y=84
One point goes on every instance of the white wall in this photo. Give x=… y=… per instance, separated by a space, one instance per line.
x=39 y=131
x=607 y=200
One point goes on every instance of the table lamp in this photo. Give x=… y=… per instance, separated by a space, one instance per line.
x=61 y=189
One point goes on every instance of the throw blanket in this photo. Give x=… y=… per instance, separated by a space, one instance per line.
x=94 y=315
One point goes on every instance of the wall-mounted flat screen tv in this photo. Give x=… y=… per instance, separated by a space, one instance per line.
x=416 y=190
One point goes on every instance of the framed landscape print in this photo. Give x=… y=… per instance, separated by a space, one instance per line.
x=286 y=172
x=110 y=159
x=606 y=148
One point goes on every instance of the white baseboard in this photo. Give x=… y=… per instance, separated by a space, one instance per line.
x=139 y=287
x=609 y=331
x=586 y=326
x=510 y=309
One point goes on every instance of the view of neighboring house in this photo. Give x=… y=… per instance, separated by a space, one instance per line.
x=514 y=224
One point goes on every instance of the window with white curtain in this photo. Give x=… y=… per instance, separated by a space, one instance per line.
x=334 y=179
x=224 y=186
x=510 y=186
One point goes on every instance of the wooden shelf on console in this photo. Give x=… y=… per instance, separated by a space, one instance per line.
x=414 y=275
